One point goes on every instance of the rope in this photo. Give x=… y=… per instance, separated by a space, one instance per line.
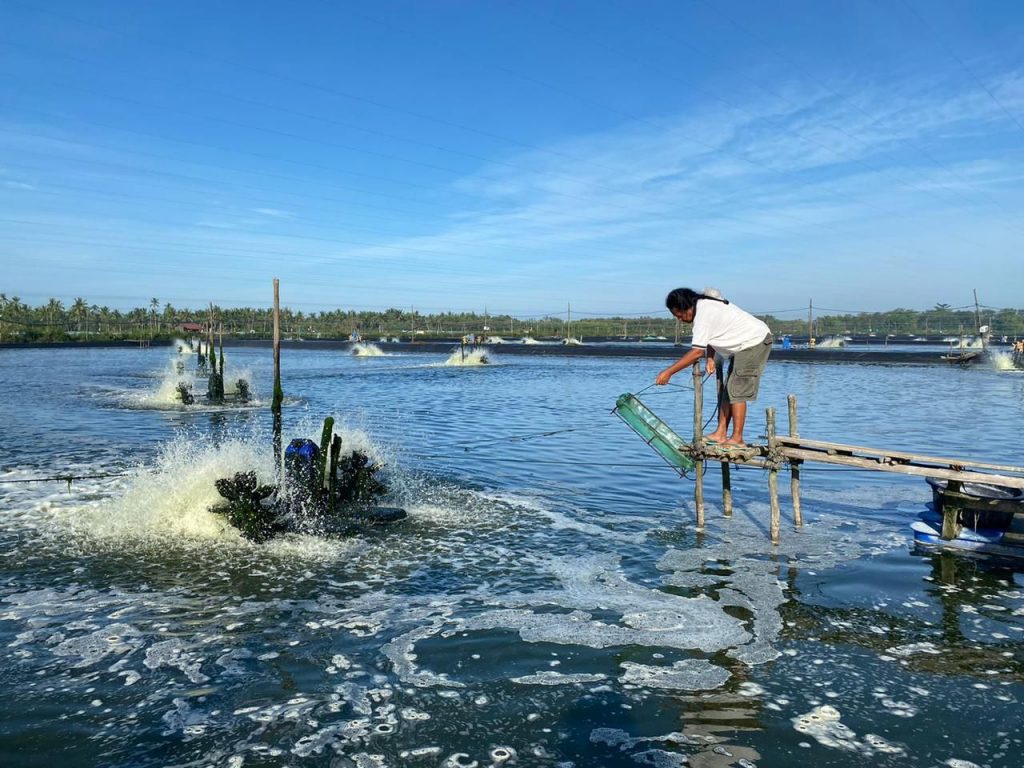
x=521 y=438
x=65 y=478
x=537 y=461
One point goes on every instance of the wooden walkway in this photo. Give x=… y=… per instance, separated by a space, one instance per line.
x=793 y=451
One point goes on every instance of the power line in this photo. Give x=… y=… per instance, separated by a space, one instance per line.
x=963 y=64
x=718 y=9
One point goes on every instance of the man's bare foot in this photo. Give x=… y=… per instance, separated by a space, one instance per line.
x=715 y=437
x=738 y=442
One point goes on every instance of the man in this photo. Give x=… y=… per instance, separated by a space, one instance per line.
x=731 y=332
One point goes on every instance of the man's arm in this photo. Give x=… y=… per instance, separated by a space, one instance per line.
x=695 y=354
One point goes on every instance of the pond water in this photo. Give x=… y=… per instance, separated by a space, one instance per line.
x=548 y=602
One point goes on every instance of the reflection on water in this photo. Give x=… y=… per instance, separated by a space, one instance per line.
x=548 y=601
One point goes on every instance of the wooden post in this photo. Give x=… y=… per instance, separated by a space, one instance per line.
x=794 y=467
x=275 y=406
x=726 y=489
x=698 y=440
x=773 y=477
x=951 y=525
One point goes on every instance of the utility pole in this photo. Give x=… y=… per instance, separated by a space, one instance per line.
x=810 y=323
x=977 y=322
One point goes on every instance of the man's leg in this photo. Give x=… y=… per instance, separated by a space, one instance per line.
x=722 y=432
x=738 y=411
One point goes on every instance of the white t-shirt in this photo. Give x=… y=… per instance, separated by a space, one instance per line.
x=726 y=327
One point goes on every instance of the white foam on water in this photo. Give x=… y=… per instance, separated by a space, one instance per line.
x=824 y=725
x=659 y=758
x=903 y=651
x=686 y=675
x=173 y=653
x=649 y=617
x=558 y=678
x=116 y=640
x=365 y=349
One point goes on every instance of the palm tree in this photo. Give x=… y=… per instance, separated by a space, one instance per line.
x=53 y=306
x=78 y=310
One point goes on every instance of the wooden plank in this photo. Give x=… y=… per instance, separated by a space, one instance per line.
x=838 y=448
x=903 y=469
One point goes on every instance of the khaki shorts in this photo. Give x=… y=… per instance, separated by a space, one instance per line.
x=745 y=371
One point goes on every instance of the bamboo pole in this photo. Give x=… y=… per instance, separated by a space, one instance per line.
x=773 y=478
x=698 y=442
x=794 y=467
x=275 y=406
x=901 y=468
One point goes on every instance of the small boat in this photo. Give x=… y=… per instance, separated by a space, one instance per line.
x=977 y=517
x=965 y=357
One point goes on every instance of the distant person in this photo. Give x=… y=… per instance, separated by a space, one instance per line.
x=731 y=332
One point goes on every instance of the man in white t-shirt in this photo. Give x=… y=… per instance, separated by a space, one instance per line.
x=733 y=333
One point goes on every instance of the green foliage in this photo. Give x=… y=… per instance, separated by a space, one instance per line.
x=52 y=322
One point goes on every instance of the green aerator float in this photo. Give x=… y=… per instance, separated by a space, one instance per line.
x=655 y=432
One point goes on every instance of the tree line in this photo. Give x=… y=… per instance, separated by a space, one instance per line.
x=83 y=321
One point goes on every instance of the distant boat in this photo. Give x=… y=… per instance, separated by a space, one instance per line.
x=654 y=338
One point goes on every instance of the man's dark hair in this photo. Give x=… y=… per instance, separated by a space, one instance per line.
x=682 y=299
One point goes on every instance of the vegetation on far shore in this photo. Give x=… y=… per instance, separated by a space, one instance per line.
x=82 y=321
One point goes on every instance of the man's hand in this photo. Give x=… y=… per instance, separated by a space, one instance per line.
x=663 y=377
x=709 y=366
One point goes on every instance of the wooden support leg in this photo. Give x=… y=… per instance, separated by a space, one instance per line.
x=698 y=491
x=794 y=488
x=794 y=467
x=726 y=489
x=773 y=479
x=951 y=526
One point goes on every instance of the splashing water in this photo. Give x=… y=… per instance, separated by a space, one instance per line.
x=832 y=342
x=469 y=357
x=173 y=498
x=367 y=350
x=183 y=347
x=166 y=393
x=1003 y=361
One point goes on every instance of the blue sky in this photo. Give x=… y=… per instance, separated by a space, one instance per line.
x=513 y=157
